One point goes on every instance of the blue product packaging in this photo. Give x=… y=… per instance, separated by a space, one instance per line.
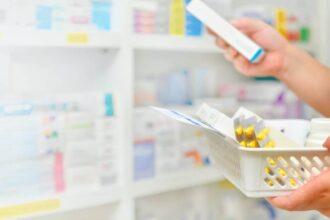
x=194 y=27
x=101 y=14
x=108 y=101
x=44 y=17
x=174 y=89
x=144 y=159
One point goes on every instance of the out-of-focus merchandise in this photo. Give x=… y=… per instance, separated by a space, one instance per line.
x=177 y=88
x=53 y=15
x=145 y=16
x=212 y=202
x=168 y=17
x=196 y=86
x=291 y=19
x=57 y=144
x=267 y=99
x=162 y=146
x=177 y=17
x=90 y=152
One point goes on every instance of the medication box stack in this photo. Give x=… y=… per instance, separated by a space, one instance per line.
x=57 y=144
x=53 y=15
x=291 y=19
x=145 y=15
x=162 y=146
x=165 y=17
x=261 y=158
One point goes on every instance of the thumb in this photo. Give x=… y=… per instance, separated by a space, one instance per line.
x=327 y=143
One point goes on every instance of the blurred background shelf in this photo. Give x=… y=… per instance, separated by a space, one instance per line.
x=172 y=43
x=176 y=181
x=59 y=39
x=46 y=207
x=114 y=41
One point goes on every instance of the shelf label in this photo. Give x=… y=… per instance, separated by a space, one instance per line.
x=77 y=38
x=29 y=208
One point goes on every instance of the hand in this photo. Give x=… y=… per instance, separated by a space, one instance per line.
x=275 y=45
x=315 y=195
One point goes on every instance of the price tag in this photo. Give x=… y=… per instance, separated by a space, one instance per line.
x=29 y=208
x=77 y=38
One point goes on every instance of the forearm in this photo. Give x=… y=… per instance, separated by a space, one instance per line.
x=308 y=78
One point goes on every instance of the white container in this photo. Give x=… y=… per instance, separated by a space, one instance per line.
x=320 y=125
x=267 y=172
x=314 y=143
x=319 y=132
x=319 y=136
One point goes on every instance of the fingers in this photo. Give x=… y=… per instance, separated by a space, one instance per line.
x=303 y=198
x=230 y=54
x=325 y=212
x=327 y=143
x=209 y=31
x=221 y=43
x=241 y=64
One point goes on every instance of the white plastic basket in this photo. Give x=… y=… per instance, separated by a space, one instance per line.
x=268 y=172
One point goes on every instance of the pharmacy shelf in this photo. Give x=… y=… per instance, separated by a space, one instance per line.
x=60 y=39
x=72 y=202
x=91 y=199
x=171 y=43
x=177 y=181
x=191 y=44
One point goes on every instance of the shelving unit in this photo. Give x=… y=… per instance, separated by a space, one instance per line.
x=48 y=39
x=119 y=52
x=74 y=202
x=176 y=181
x=160 y=42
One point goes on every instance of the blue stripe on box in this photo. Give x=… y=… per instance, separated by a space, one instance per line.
x=257 y=55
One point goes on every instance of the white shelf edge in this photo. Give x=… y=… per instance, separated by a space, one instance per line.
x=110 y=40
x=91 y=199
x=172 y=43
x=176 y=181
x=73 y=202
